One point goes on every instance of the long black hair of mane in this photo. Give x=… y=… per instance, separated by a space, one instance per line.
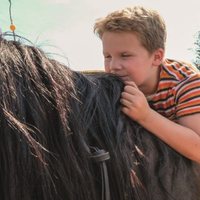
x=54 y=122
x=145 y=167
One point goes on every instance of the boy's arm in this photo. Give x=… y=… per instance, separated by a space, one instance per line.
x=183 y=136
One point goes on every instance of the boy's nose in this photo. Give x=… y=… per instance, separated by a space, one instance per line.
x=114 y=66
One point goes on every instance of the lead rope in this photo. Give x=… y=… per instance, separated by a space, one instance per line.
x=100 y=156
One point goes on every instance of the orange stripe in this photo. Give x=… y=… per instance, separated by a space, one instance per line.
x=188 y=104
x=163 y=96
x=166 y=84
x=188 y=112
x=190 y=95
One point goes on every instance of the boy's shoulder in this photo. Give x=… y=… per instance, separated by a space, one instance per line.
x=178 y=70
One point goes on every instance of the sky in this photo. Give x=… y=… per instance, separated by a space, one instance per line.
x=64 y=28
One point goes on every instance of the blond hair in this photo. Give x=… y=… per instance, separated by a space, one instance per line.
x=147 y=24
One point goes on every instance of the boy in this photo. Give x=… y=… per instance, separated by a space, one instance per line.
x=160 y=94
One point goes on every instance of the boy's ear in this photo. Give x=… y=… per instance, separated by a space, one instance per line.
x=158 y=56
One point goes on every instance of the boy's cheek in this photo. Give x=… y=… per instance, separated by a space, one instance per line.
x=107 y=69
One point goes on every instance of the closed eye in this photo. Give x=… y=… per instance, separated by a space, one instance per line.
x=107 y=56
x=126 y=55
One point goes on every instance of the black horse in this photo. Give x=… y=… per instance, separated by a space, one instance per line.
x=63 y=136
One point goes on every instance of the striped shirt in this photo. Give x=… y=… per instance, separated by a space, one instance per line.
x=178 y=92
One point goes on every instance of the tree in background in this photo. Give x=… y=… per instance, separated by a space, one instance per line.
x=197 y=50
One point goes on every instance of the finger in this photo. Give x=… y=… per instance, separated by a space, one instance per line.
x=126 y=103
x=131 y=90
x=125 y=110
x=127 y=96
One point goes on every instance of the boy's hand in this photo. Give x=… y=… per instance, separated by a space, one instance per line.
x=134 y=102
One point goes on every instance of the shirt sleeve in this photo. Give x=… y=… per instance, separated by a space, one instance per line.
x=188 y=97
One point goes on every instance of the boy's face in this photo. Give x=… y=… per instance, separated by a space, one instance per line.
x=125 y=56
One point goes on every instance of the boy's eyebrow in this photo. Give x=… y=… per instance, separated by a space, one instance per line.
x=120 y=52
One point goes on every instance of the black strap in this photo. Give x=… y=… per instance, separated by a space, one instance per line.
x=100 y=156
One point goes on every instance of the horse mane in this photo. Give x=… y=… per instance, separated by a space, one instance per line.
x=52 y=119
x=157 y=171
